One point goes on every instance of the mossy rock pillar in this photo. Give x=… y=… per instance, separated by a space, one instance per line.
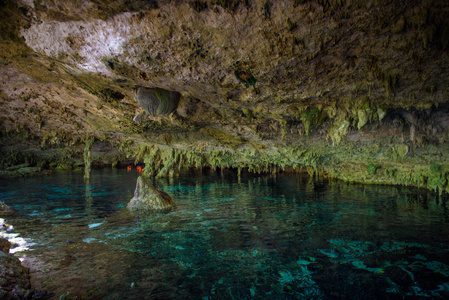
x=147 y=197
x=88 y=158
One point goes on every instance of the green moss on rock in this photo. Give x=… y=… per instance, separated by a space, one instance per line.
x=147 y=197
x=372 y=168
x=339 y=130
x=311 y=119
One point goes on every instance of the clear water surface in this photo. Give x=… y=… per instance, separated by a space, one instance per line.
x=261 y=237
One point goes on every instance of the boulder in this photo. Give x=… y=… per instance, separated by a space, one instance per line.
x=14 y=278
x=147 y=197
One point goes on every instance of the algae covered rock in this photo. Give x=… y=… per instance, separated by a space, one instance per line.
x=147 y=197
x=14 y=278
x=23 y=170
x=157 y=101
x=403 y=150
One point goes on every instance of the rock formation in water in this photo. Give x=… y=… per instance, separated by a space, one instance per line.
x=147 y=197
x=336 y=81
x=14 y=278
x=5 y=209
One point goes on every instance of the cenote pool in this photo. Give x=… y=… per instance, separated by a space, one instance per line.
x=279 y=236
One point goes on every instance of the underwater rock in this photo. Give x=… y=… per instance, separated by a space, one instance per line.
x=5 y=245
x=14 y=278
x=5 y=209
x=157 y=101
x=147 y=197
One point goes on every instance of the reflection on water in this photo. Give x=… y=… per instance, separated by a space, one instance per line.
x=282 y=237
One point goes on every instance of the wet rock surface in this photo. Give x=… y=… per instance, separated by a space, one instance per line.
x=14 y=278
x=5 y=245
x=147 y=197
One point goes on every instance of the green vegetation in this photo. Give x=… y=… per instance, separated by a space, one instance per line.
x=435 y=168
x=312 y=119
x=372 y=168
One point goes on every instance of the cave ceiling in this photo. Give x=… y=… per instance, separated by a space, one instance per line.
x=253 y=75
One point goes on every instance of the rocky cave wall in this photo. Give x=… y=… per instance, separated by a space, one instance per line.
x=357 y=90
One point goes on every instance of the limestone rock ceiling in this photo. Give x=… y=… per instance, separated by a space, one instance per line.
x=308 y=52
x=256 y=77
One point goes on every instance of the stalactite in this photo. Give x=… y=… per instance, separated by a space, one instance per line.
x=412 y=140
x=88 y=157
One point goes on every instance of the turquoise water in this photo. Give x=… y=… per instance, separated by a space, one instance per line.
x=262 y=237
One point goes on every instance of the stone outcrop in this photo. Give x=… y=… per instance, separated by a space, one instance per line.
x=147 y=197
x=22 y=170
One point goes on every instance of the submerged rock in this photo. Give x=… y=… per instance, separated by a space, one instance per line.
x=14 y=278
x=5 y=245
x=147 y=197
x=5 y=209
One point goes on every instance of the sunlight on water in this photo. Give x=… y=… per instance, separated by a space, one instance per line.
x=19 y=243
x=282 y=237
